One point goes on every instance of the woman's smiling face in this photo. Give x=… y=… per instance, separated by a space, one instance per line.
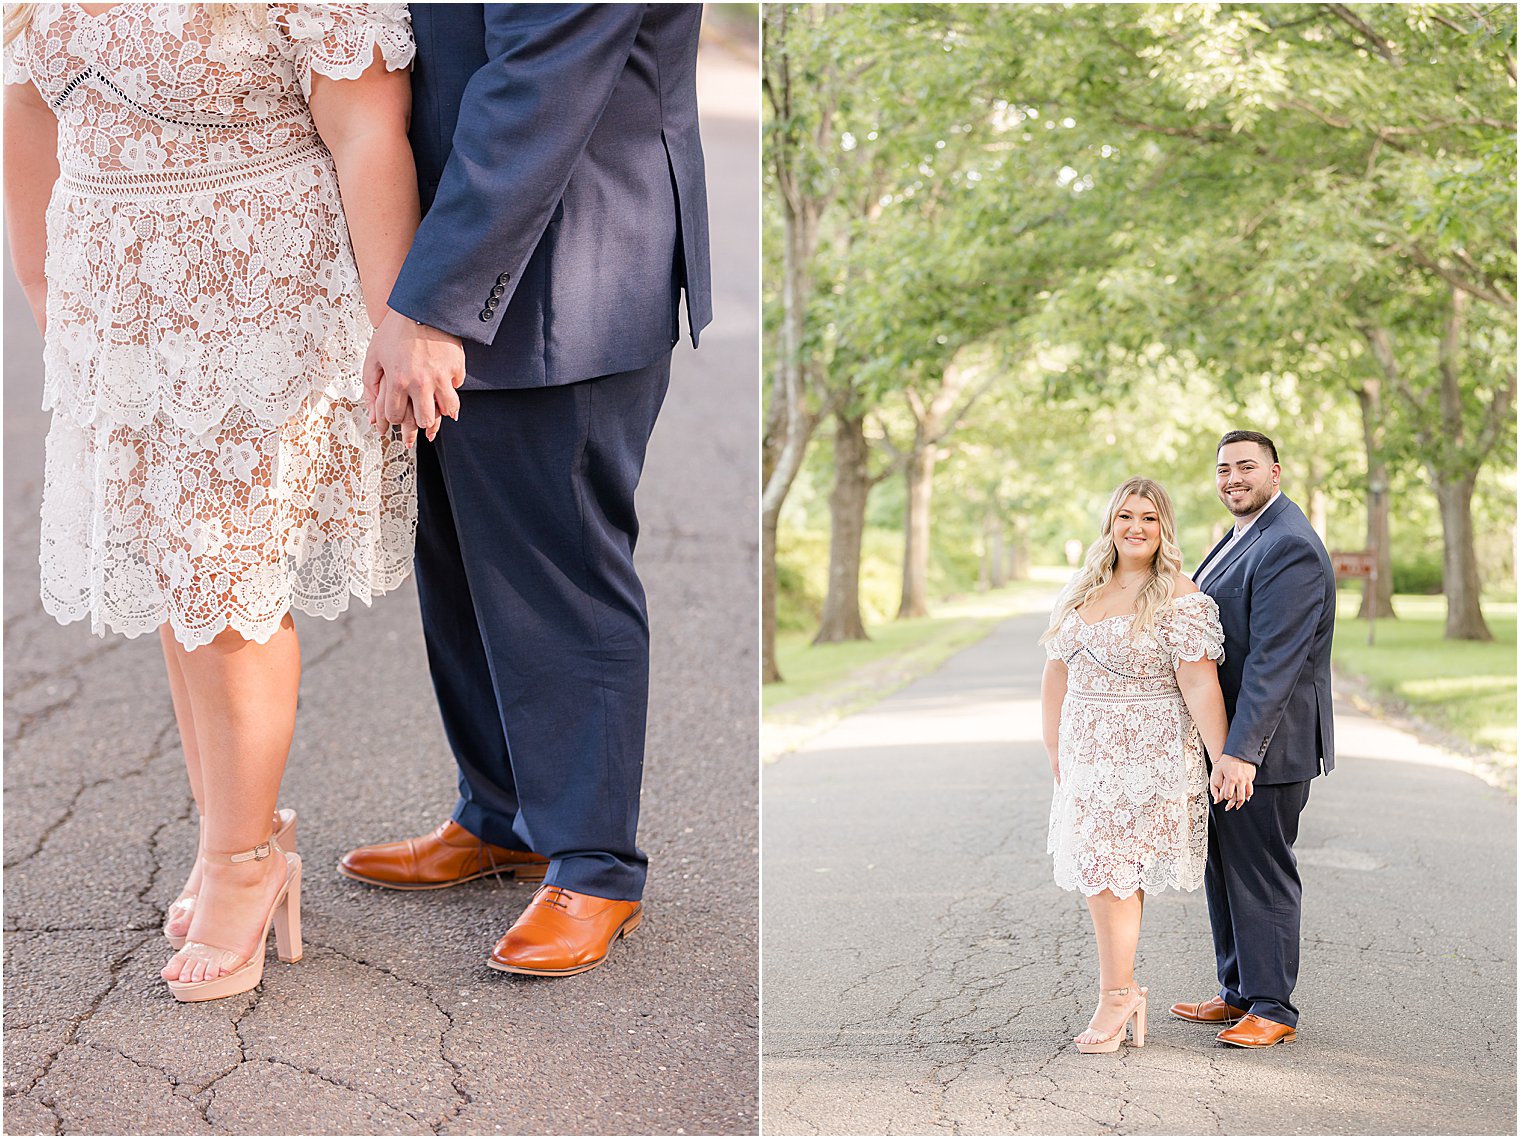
x=1137 y=530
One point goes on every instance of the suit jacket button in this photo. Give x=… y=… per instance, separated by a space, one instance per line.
x=504 y=278
x=498 y=290
x=485 y=315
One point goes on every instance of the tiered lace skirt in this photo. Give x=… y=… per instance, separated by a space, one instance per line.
x=210 y=463
x=1131 y=810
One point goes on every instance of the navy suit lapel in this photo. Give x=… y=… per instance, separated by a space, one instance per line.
x=1219 y=545
x=1268 y=517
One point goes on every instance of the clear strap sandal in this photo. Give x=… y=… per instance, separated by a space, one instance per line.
x=182 y=909
x=240 y=972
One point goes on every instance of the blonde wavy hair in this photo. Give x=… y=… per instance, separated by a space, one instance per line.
x=18 y=17
x=1103 y=557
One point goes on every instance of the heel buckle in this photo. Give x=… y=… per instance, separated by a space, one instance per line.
x=257 y=854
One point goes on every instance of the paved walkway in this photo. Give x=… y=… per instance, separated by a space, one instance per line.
x=923 y=974
x=393 y=1024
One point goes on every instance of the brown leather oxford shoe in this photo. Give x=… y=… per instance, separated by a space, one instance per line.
x=1257 y=1032
x=562 y=933
x=1211 y=1011
x=447 y=857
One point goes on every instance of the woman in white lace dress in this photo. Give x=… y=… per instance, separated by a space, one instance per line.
x=207 y=207
x=1130 y=697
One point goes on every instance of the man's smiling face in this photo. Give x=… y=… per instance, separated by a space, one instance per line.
x=1247 y=477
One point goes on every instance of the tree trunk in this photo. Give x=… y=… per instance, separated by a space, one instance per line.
x=1377 y=599
x=847 y=523
x=1018 y=554
x=1315 y=505
x=919 y=472
x=1319 y=513
x=1454 y=484
x=994 y=562
x=770 y=673
x=1459 y=561
x=789 y=423
x=1453 y=459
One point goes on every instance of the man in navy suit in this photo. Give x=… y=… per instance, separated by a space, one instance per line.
x=1276 y=593
x=565 y=213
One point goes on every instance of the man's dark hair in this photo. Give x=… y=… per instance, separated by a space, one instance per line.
x=1248 y=437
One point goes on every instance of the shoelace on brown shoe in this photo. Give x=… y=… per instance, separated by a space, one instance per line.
x=552 y=896
x=485 y=855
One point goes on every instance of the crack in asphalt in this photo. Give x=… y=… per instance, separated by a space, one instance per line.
x=116 y=967
x=17 y=730
x=334 y=1081
x=47 y=1107
x=67 y=814
x=457 y=1080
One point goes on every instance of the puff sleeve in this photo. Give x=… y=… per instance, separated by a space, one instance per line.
x=16 y=69
x=1190 y=629
x=339 y=40
x=1060 y=645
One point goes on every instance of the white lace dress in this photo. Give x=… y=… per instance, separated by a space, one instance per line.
x=210 y=463
x=1131 y=810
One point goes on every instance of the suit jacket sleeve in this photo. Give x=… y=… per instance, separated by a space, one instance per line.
x=1287 y=599
x=524 y=121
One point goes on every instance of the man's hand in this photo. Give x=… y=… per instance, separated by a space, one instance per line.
x=1231 y=781
x=410 y=373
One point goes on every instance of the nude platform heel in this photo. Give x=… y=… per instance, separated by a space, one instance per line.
x=284 y=914
x=1134 y=1020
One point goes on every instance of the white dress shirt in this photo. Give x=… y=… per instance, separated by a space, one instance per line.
x=1241 y=529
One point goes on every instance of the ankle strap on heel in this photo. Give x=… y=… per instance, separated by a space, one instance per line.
x=1124 y=992
x=257 y=854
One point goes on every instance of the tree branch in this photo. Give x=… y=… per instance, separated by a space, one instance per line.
x=1382 y=351
x=1199 y=130
x=1374 y=41
x=1490 y=291
x=1445 y=23
x=1498 y=418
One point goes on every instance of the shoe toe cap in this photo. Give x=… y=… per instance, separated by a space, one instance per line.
x=529 y=952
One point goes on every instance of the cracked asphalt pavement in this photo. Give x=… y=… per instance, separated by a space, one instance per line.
x=393 y=1024
x=923 y=974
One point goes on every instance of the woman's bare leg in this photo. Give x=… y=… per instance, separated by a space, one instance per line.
x=178 y=923
x=1116 y=922
x=243 y=696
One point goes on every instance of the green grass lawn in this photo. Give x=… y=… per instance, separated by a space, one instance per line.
x=854 y=671
x=1466 y=688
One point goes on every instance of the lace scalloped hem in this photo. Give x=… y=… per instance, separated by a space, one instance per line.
x=1107 y=792
x=1068 y=879
x=87 y=405
x=258 y=630
x=145 y=527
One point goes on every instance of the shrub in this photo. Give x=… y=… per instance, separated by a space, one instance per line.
x=1418 y=572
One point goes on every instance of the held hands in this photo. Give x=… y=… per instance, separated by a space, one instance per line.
x=410 y=373
x=1231 y=781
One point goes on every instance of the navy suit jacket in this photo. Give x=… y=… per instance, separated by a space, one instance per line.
x=563 y=191
x=1276 y=596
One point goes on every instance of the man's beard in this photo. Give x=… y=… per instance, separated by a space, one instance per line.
x=1250 y=505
